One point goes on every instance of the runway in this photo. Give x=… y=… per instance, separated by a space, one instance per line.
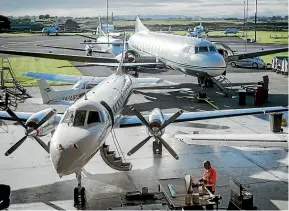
x=262 y=169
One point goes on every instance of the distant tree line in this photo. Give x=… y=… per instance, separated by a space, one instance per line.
x=4 y=24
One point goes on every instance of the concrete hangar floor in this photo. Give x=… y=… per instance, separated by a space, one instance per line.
x=261 y=168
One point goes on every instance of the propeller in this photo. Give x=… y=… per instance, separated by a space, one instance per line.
x=29 y=131
x=155 y=132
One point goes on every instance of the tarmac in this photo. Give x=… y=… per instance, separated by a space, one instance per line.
x=261 y=167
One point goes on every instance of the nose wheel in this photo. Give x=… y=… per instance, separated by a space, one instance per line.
x=79 y=193
x=157 y=147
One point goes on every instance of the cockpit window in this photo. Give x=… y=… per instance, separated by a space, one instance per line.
x=93 y=117
x=203 y=49
x=67 y=117
x=196 y=50
x=90 y=86
x=79 y=119
x=212 y=49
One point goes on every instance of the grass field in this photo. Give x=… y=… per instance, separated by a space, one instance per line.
x=173 y=22
x=268 y=58
x=262 y=36
x=28 y=64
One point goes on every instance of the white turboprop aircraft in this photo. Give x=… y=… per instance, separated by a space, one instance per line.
x=109 y=43
x=81 y=131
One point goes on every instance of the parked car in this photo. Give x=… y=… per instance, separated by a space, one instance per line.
x=255 y=62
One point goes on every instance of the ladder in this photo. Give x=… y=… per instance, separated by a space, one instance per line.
x=14 y=87
x=223 y=83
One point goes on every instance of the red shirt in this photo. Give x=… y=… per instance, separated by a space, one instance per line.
x=210 y=176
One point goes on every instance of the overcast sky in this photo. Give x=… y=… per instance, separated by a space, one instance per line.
x=203 y=8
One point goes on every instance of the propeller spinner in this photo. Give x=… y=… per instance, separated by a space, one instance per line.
x=155 y=126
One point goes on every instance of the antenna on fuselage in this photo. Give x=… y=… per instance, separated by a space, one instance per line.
x=85 y=96
x=119 y=68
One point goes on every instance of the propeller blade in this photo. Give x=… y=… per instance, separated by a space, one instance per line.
x=170 y=150
x=138 y=146
x=15 y=146
x=138 y=114
x=44 y=146
x=172 y=119
x=12 y=114
x=45 y=118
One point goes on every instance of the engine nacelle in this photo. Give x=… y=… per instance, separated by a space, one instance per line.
x=131 y=56
x=49 y=124
x=156 y=120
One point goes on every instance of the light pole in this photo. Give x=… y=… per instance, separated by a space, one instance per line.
x=256 y=23
x=244 y=19
x=107 y=21
x=246 y=27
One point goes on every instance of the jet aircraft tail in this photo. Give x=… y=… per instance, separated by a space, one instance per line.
x=139 y=25
x=100 y=32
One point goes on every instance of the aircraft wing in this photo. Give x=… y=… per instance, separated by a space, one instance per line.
x=68 y=48
x=62 y=77
x=86 y=36
x=23 y=116
x=124 y=64
x=75 y=58
x=74 y=78
x=128 y=121
x=236 y=57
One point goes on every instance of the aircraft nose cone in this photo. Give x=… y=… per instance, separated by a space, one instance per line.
x=212 y=63
x=66 y=159
x=68 y=148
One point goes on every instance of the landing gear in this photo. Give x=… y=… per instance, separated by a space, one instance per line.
x=79 y=193
x=134 y=70
x=205 y=81
x=136 y=74
x=157 y=147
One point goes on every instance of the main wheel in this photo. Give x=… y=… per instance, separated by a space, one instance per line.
x=233 y=64
x=255 y=65
x=82 y=196
x=76 y=198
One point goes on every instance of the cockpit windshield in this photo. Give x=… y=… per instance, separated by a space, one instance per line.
x=212 y=48
x=200 y=49
x=78 y=118
x=203 y=49
x=93 y=117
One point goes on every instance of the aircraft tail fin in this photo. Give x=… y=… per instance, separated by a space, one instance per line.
x=139 y=25
x=100 y=32
x=47 y=93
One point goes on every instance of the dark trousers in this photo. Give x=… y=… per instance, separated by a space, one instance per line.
x=210 y=207
x=4 y=196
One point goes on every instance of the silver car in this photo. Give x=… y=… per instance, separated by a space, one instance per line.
x=255 y=62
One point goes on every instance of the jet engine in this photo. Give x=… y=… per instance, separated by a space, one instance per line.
x=39 y=124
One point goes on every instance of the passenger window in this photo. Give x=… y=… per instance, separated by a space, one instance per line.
x=203 y=49
x=93 y=117
x=79 y=119
x=212 y=49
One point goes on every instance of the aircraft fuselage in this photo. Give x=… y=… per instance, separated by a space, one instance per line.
x=191 y=56
x=86 y=124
